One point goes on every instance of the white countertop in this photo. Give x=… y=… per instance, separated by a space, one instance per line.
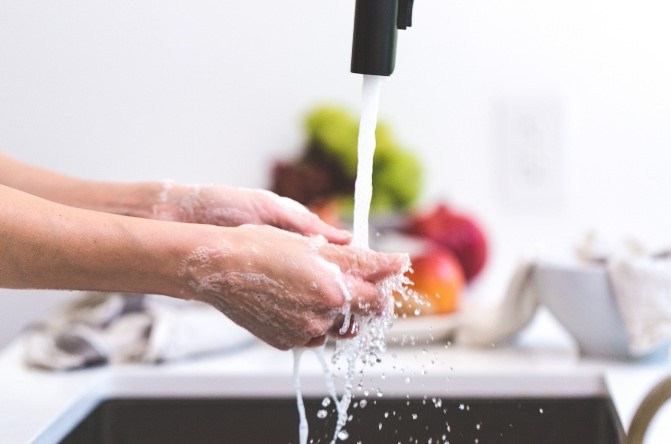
x=40 y=406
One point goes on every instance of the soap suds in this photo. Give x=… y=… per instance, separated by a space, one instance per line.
x=347 y=295
x=263 y=304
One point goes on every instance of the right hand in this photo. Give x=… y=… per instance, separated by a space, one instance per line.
x=287 y=289
x=228 y=206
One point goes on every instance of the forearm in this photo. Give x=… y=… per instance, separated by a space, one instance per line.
x=48 y=245
x=132 y=199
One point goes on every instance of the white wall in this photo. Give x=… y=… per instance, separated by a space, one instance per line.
x=213 y=91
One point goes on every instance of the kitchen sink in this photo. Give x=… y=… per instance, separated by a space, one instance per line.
x=576 y=420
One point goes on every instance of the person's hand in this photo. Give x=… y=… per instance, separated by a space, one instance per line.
x=234 y=206
x=287 y=289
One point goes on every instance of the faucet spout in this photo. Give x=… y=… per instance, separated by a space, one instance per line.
x=652 y=402
x=375 y=30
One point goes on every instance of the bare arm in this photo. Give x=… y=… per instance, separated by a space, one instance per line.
x=212 y=204
x=49 y=245
x=132 y=199
x=288 y=289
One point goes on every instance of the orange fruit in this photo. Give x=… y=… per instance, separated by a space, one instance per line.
x=438 y=280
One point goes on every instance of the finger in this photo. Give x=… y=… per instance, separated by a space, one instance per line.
x=366 y=264
x=385 y=265
x=291 y=215
x=367 y=298
x=310 y=224
x=316 y=342
x=352 y=329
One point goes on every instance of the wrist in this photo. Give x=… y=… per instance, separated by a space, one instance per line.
x=171 y=202
x=142 y=255
x=126 y=199
x=210 y=253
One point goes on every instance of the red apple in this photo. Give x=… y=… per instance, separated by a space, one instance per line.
x=438 y=280
x=455 y=232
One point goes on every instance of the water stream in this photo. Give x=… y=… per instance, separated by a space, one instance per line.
x=371 y=335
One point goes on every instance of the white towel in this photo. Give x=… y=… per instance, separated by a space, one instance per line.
x=641 y=280
x=109 y=328
x=642 y=287
x=503 y=322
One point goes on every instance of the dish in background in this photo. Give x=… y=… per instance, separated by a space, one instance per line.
x=581 y=299
x=424 y=329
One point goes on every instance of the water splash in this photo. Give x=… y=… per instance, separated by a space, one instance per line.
x=365 y=348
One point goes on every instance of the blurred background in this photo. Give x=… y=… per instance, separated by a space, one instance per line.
x=543 y=119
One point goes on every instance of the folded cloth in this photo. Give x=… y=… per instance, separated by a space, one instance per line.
x=503 y=322
x=110 y=328
x=642 y=288
x=640 y=277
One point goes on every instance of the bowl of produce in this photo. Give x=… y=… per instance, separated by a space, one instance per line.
x=324 y=172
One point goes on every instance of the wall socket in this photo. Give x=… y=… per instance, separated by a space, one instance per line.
x=528 y=145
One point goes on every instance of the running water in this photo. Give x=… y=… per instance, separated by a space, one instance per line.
x=370 y=341
x=303 y=421
x=353 y=349
x=363 y=187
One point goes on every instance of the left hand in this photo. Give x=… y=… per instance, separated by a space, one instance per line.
x=233 y=206
x=288 y=290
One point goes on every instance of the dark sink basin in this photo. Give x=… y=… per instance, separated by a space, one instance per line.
x=588 y=420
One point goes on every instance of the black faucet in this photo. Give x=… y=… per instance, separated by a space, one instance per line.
x=375 y=28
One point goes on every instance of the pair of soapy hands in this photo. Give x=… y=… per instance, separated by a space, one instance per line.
x=286 y=276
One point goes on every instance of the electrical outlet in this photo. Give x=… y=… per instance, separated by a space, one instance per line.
x=528 y=141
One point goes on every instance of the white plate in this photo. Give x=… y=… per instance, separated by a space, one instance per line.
x=424 y=329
